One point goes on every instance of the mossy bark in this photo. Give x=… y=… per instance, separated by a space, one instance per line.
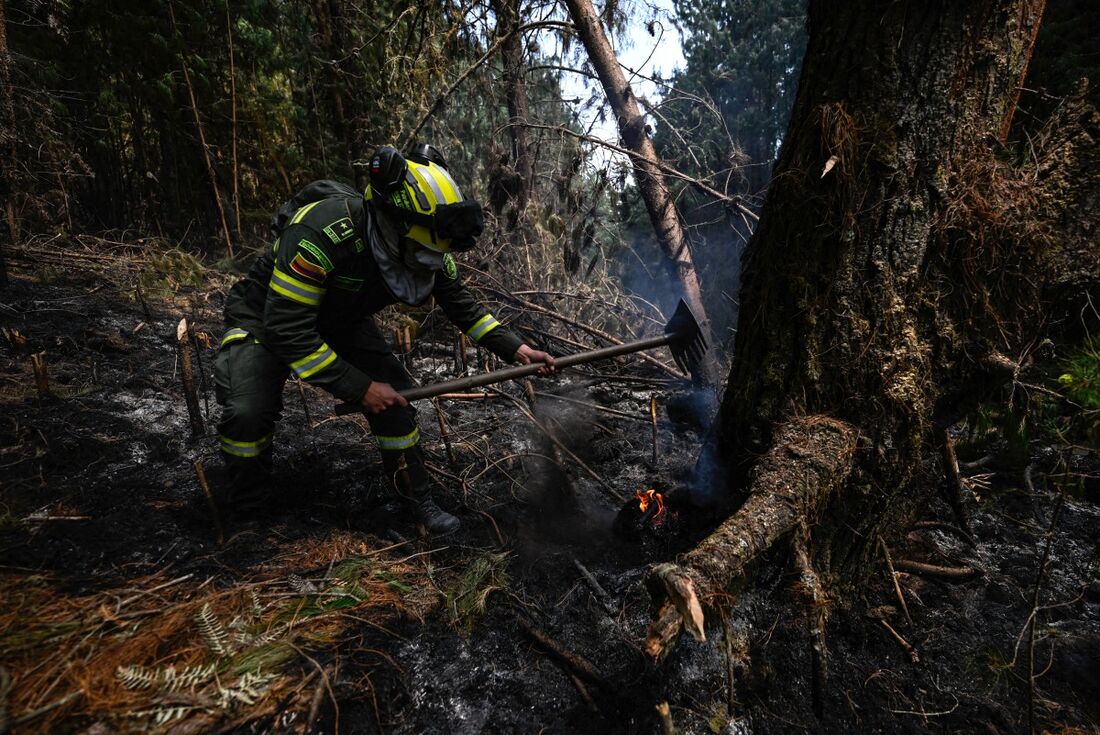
x=885 y=290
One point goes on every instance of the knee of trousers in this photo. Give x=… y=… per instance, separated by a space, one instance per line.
x=247 y=425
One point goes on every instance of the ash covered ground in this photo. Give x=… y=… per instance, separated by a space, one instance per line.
x=334 y=614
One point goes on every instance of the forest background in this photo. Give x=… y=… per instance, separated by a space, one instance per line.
x=184 y=124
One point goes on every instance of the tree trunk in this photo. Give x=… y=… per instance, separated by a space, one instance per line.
x=876 y=297
x=651 y=182
x=515 y=92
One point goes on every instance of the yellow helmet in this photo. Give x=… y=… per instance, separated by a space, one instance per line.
x=425 y=199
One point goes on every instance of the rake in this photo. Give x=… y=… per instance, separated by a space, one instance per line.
x=682 y=336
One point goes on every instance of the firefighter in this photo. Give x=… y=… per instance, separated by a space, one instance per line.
x=306 y=306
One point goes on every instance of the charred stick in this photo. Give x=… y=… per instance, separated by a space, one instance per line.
x=906 y=646
x=202 y=373
x=141 y=300
x=601 y=593
x=578 y=663
x=529 y=393
x=664 y=714
x=945 y=527
x=583 y=691
x=210 y=502
x=565 y=450
x=41 y=377
x=305 y=403
x=894 y=578
x=955 y=490
x=443 y=432
x=187 y=375
x=950 y=574
x=1035 y=599
x=593 y=406
x=653 y=423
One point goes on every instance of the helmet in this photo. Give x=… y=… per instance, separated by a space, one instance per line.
x=422 y=196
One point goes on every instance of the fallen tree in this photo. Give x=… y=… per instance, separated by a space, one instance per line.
x=901 y=271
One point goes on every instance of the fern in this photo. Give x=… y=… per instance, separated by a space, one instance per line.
x=138 y=678
x=301 y=586
x=213 y=632
x=188 y=677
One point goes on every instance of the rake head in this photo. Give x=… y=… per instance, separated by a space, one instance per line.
x=686 y=341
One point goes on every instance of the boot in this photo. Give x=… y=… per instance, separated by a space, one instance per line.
x=434 y=518
x=410 y=480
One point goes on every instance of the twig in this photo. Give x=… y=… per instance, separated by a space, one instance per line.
x=41 y=377
x=955 y=489
x=1035 y=607
x=601 y=593
x=210 y=502
x=451 y=462
x=583 y=691
x=653 y=423
x=913 y=655
x=946 y=527
x=950 y=574
x=305 y=403
x=594 y=406
x=578 y=663
x=894 y=579
x=592 y=473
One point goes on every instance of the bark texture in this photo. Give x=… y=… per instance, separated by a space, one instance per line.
x=635 y=137
x=517 y=180
x=882 y=292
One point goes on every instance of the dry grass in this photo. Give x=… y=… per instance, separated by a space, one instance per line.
x=160 y=653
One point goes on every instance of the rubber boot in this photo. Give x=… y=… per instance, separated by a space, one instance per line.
x=249 y=486
x=410 y=481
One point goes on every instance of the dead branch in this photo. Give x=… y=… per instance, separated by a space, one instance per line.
x=894 y=578
x=576 y=662
x=601 y=593
x=950 y=574
x=205 y=486
x=187 y=374
x=810 y=458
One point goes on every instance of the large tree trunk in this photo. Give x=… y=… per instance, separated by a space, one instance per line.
x=651 y=182
x=877 y=296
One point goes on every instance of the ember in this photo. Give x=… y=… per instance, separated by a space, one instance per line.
x=647 y=498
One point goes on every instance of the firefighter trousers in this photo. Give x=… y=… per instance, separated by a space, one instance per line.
x=249 y=381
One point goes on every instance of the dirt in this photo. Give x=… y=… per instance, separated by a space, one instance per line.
x=99 y=492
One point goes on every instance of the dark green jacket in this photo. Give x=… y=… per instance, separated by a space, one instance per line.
x=318 y=282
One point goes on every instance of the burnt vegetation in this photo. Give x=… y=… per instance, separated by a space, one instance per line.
x=874 y=508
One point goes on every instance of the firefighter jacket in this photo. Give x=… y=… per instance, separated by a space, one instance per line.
x=319 y=281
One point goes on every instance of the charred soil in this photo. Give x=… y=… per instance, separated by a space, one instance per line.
x=332 y=613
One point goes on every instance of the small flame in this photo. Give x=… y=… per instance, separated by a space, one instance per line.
x=648 y=497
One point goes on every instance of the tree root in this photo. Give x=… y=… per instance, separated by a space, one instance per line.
x=809 y=458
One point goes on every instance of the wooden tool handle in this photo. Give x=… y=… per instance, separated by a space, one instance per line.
x=519 y=371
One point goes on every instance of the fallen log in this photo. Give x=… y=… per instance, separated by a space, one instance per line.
x=810 y=457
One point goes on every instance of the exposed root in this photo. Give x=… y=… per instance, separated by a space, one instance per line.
x=809 y=458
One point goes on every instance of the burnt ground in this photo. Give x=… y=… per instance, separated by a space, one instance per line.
x=110 y=562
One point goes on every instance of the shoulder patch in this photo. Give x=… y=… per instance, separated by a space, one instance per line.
x=318 y=254
x=449 y=266
x=340 y=230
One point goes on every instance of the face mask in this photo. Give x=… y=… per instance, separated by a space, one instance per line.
x=420 y=259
